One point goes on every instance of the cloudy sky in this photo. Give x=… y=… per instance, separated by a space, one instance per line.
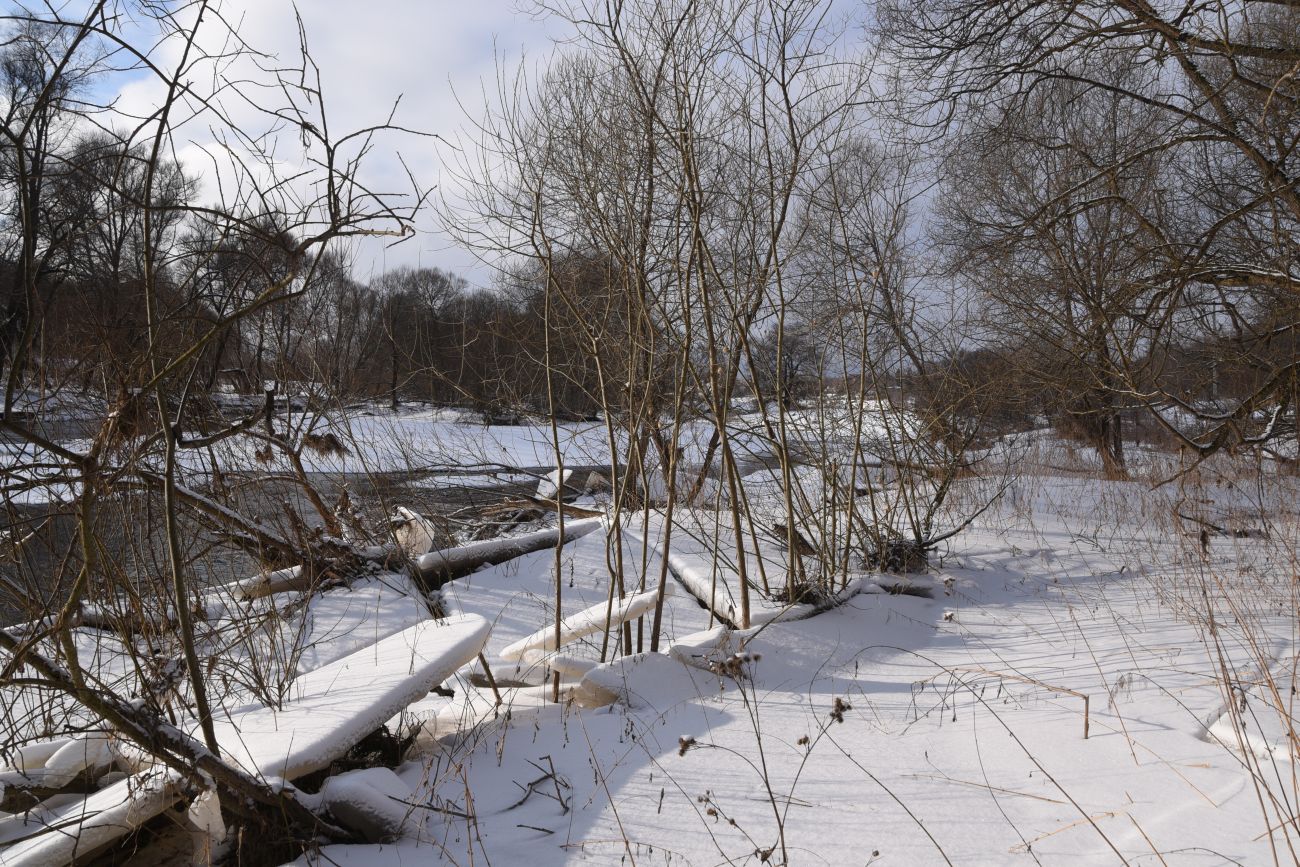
x=436 y=55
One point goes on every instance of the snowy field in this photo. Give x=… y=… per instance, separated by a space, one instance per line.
x=1060 y=699
x=1092 y=672
x=449 y=446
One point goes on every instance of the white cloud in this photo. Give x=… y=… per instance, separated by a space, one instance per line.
x=424 y=51
x=370 y=54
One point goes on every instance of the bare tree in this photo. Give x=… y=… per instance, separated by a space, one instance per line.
x=1056 y=253
x=96 y=200
x=696 y=196
x=1215 y=85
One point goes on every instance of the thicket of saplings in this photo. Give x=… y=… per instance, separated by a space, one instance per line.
x=722 y=237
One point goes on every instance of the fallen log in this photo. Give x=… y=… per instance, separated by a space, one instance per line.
x=328 y=711
x=55 y=764
x=438 y=567
x=537 y=504
x=185 y=758
x=270 y=583
x=589 y=621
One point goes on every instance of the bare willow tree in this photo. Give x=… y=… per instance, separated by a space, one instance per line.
x=697 y=191
x=672 y=148
x=126 y=293
x=1215 y=84
x=1059 y=260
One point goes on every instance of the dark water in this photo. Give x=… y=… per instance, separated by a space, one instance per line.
x=130 y=531
x=132 y=546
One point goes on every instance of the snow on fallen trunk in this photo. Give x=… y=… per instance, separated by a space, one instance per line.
x=704 y=580
x=586 y=622
x=328 y=712
x=707 y=586
x=331 y=709
x=36 y=754
x=452 y=563
x=270 y=583
x=59 y=762
x=79 y=827
x=711 y=583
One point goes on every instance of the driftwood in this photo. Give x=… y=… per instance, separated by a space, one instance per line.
x=438 y=567
x=539 y=505
x=320 y=575
x=343 y=701
x=255 y=538
x=432 y=569
x=575 y=483
x=269 y=583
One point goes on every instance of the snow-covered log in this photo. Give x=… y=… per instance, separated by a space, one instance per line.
x=712 y=587
x=586 y=622
x=78 y=827
x=438 y=567
x=270 y=583
x=328 y=711
x=56 y=764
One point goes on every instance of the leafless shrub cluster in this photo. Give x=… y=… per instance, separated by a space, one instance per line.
x=127 y=295
x=713 y=211
x=813 y=288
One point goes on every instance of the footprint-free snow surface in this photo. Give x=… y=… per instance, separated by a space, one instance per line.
x=896 y=729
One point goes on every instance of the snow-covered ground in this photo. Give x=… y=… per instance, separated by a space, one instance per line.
x=1094 y=671
x=455 y=446
x=900 y=729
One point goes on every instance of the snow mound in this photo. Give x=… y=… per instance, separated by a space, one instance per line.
x=1262 y=720
x=374 y=802
x=644 y=680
